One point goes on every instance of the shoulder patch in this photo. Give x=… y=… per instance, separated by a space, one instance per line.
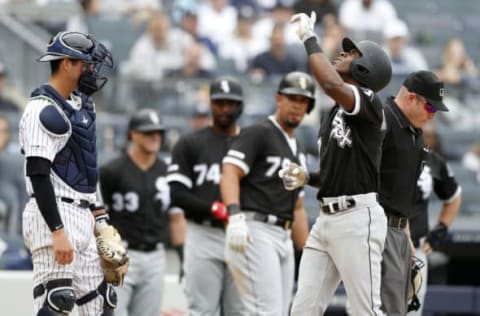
x=53 y=121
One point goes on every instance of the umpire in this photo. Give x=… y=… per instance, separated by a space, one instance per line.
x=403 y=153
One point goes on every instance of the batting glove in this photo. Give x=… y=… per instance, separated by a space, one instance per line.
x=294 y=176
x=219 y=211
x=237 y=234
x=437 y=235
x=305 y=25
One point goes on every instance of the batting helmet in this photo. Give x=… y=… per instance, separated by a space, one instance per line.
x=146 y=120
x=76 y=45
x=227 y=88
x=373 y=68
x=298 y=83
x=415 y=283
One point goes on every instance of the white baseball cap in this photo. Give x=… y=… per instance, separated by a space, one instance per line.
x=395 y=28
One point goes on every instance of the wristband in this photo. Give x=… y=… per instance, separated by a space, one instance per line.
x=311 y=45
x=101 y=221
x=233 y=209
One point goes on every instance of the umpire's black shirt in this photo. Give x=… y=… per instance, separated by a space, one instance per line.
x=402 y=156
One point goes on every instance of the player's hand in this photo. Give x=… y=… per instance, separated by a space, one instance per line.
x=293 y=176
x=219 y=211
x=62 y=247
x=237 y=234
x=305 y=25
x=437 y=235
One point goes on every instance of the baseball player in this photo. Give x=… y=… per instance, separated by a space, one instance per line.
x=259 y=249
x=57 y=136
x=137 y=195
x=194 y=178
x=416 y=103
x=347 y=239
x=436 y=177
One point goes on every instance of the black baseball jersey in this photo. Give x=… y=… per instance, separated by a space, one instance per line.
x=436 y=176
x=196 y=163
x=350 y=147
x=402 y=155
x=137 y=200
x=261 y=150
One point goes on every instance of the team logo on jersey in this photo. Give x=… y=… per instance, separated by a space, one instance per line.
x=340 y=131
x=425 y=182
x=84 y=119
x=225 y=86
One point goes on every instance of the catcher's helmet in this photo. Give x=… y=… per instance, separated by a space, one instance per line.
x=76 y=45
x=146 y=120
x=227 y=88
x=373 y=68
x=298 y=83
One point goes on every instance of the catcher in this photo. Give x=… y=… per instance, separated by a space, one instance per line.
x=58 y=139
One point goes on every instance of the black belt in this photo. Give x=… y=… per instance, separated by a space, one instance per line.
x=272 y=219
x=210 y=223
x=399 y=222
x=142 y=246
x=335 y=207
x=78 y=202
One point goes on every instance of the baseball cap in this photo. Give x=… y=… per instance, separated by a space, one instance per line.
x=395 y=28
x=146 y=120
x=427 y=84
x=226 y=88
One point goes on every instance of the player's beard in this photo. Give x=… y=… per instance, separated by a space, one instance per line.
x=292 y=124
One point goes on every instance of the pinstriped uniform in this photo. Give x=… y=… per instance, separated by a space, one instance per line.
x=78 y=222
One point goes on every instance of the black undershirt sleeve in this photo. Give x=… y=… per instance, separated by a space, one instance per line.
x=38 y=169
x=314 y=179
x=192 y=205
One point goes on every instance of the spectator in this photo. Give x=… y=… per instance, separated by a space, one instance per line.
x=366 y=18
x=244 y=45
x=405 y=59
x=78 y=23
x=321 y=7
x=158 y=50
x=277 y=60
x=191 y=68
x=6 y=103
x=280 y=14
x=471 y=159
x=200 y=117
x=189 y=23
x=332 y=39
x=458 y=69
x=216 y=20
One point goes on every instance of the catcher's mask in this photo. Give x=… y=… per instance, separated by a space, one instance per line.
x=415 y=283
x=80 y=46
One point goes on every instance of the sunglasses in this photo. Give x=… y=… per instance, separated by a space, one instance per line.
x=427 y=106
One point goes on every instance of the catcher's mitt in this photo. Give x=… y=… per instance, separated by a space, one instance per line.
x=113 y=255
x=114 y=273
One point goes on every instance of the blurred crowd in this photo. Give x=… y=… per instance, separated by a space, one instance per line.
x=169 y=50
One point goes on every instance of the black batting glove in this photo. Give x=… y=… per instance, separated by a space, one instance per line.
x=437 y=235
x=181 y=273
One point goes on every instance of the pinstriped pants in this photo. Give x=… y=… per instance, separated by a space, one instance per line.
x=85 y=270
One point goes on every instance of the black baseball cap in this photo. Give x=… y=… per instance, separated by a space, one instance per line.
x=146 y=120
x=429 y=86
x=226 y=88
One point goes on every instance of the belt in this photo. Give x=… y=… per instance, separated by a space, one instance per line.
x=210 y=223
x=397 y=221
x=142 y=246
x=271 y=219
x=77 y=202
x=338 y=204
